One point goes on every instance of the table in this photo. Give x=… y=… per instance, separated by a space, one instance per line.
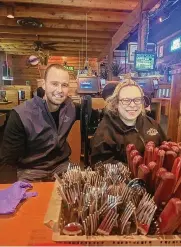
x=5 y=102
x=26 y=226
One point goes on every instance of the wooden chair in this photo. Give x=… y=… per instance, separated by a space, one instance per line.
x=98 y=103
x=74 y=140
x=2 y=119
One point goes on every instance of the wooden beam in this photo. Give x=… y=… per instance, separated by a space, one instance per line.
x=168 y=38
x=54 y=58
x=65 y=14
x=110 y=60
x=51 y=52
x=129 y=24
x=50 y=32
x=59 y=49
x=93 y=4
x=16 y=37
x=61 y=45
x=143 y=31
x=67 y=24
x=24 y=38
x=92 y=55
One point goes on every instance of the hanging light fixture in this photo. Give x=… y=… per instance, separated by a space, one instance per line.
x=86 y=64
x=164 y=17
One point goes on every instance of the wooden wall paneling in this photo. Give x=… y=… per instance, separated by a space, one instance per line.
x=12 y=95
x=9 y=38
x=60 y=32
x=23 y=73
x=25 y=88
x=73 y=88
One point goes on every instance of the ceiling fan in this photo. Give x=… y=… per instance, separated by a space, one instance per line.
x=40 y=46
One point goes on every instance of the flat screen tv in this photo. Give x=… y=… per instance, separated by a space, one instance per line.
x=88 y=85
x=144 y=61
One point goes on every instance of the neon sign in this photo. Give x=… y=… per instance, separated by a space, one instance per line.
x=176 y=44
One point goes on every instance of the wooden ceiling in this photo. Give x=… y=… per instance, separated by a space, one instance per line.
x=65 y=23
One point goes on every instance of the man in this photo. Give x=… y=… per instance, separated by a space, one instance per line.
x=34 y=145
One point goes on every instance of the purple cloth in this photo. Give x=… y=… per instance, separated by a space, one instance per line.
x=12 y=196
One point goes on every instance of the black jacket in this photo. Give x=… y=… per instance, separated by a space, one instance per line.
x=16 y=140
x=112 y=136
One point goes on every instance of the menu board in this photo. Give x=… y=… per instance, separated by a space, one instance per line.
x=144 y=61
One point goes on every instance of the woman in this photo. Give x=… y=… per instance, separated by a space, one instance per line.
x=124 y=122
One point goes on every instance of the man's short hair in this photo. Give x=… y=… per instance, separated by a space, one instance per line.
x=56 y=66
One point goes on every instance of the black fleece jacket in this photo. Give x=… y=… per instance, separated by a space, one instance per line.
x=112 y=136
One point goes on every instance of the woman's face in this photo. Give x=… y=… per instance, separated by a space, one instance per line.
x=130 y=103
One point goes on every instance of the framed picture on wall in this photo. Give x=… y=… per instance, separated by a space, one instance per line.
x=132 y=47
x=160 y=51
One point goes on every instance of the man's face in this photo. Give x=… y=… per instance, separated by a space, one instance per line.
x=127 y=108
x=56 y=86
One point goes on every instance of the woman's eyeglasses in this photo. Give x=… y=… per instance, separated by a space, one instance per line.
x=127 y=101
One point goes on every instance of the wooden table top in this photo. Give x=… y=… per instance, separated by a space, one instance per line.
x=26 y=227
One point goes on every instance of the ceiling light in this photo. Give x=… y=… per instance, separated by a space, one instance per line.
x=163 y=17
x=10 y=12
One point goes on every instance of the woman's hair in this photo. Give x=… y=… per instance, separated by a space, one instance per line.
x=113 y=100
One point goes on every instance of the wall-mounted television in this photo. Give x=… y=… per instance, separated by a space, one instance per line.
x=144 y=61
x=88 y=85
x=175 y=44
